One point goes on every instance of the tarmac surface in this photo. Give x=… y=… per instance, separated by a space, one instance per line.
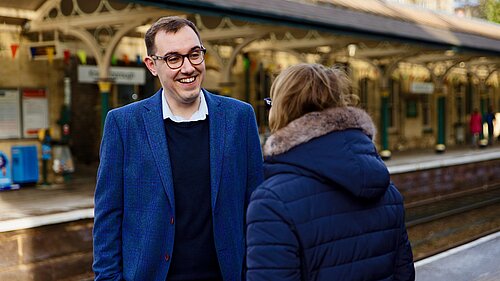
x=41 y=205
x=475 y=261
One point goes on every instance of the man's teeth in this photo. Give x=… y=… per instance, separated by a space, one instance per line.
x=187 y=80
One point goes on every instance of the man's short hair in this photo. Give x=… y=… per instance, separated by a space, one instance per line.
x=169 y=25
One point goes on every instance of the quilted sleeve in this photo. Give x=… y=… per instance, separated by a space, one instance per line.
x=272 y=246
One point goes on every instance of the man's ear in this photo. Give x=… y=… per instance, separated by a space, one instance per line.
x=150 y=64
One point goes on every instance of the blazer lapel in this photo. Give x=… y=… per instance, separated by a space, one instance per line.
x=155 y=131
x=217 y=123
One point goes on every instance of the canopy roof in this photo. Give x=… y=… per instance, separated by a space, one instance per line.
x=368 y=18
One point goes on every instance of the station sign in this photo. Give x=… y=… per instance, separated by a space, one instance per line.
x=421 y=88
x=119 y=74
x=40 y=50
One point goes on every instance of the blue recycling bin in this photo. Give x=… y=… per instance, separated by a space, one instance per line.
x=24 y=164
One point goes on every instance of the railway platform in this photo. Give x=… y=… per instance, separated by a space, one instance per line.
x=76 y=196
x=474 y=261
x=34 y=219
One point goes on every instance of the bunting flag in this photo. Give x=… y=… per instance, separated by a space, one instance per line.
x=138 y=59
x=126 y=60
x=13 y=48
x=67 y=56
x=50 y=54
x=114 y=60
x=82 y=55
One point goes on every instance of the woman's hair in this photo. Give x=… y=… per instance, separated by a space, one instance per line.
x=305 y=88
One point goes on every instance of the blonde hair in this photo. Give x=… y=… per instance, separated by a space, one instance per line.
x=305 y=88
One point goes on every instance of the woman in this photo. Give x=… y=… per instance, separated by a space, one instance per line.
x=327 y=209
x=476 y=126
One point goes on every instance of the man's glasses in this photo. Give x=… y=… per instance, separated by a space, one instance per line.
x=268 y=102
x=175 y=61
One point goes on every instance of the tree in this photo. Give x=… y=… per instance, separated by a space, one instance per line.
x=490 y=10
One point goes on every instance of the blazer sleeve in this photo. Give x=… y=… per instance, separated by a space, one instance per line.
x=108 y=199
x=405 y=269
x=255 y=172
x=272 y=246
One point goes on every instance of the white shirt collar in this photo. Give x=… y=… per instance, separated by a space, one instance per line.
x=200 y=114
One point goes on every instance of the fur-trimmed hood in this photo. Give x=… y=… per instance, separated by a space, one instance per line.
x=334 y=146
x=316 y=124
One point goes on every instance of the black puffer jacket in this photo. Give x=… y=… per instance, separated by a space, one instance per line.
x=327 y=210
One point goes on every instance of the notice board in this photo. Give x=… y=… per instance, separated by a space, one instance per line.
x=10 y=114
x=35 y=111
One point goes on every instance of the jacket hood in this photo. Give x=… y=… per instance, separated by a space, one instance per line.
x=334 y=146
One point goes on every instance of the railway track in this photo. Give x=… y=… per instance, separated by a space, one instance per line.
x=443 y=206
x=438 y=224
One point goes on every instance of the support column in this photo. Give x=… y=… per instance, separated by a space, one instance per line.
x=483 y=109
x=384 y=125
x=104 y=90
x=246 y=69
x=441 y=122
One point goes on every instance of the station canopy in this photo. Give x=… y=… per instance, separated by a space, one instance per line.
x=380 y=30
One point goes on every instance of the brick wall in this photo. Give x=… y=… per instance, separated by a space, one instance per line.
x=434 y=182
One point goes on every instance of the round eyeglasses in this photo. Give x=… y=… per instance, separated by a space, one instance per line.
x=175 y=61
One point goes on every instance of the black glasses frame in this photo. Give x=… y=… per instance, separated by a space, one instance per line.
x=269 y=102
x=165 y=58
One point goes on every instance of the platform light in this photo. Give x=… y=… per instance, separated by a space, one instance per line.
x=351 y=50
x=225 y=51
x=324 y=49
x=449 y=53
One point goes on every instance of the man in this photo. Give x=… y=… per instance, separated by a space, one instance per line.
x=176 y=172
x=489 y=118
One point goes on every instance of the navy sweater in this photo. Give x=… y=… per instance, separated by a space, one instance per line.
x=194 y=256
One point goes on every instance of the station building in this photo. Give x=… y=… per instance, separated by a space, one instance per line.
x=419 y=73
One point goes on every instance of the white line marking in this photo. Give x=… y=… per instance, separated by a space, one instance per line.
x=35 y=221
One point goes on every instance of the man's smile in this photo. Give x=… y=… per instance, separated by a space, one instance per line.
x=187 y=80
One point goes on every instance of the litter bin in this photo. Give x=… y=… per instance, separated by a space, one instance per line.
x=24 y=164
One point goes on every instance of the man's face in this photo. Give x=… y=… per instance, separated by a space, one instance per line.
x=181 y=86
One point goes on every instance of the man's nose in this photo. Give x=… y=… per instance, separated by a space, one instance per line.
x=187 y=66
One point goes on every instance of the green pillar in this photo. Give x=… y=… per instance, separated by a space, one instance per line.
x=384 y=123
x=104 y=89
x=246 y=69
x=484 y=109
x=441 y=107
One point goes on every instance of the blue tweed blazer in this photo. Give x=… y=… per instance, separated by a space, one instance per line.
x=134 y=221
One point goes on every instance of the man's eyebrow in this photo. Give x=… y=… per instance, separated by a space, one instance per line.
x=195 y=48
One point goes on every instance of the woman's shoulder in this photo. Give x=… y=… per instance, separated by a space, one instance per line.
x=288 y=187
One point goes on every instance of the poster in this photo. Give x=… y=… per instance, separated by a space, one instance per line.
x=10 y=114
x=35 y=111
x=5 y=174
